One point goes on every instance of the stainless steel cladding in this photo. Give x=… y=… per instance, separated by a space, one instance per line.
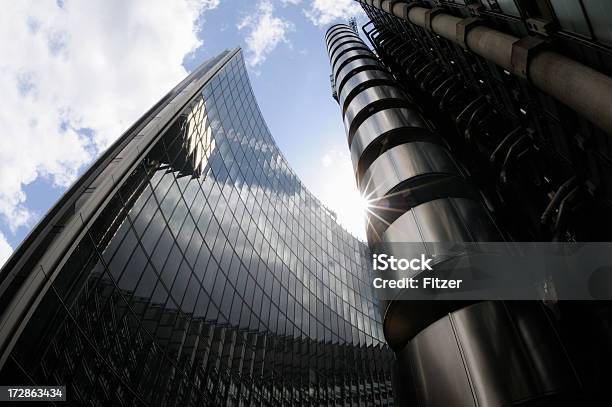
x=448 y=353
x=385 y=129
x=459 y=367
x=398 y=160
x=356 y=83
x=427 y=222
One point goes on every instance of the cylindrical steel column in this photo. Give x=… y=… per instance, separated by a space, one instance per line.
x=387 y=135
x=449 y=354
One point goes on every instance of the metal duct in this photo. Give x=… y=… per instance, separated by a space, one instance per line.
x=583 y=89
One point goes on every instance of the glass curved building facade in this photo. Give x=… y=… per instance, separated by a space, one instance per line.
x=190 y=266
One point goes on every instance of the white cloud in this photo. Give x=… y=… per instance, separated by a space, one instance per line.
x=84 y=65
x=203 y=5
x=323 y=12
x=5 y=250
x=266 y=31
x=293 y=2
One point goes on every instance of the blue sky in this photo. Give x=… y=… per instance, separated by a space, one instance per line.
x=75 y=74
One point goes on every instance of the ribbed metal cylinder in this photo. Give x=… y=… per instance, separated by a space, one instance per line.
x=394 y=152
x=449 y=353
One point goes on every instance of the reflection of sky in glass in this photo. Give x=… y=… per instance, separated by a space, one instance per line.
x=212 y=235
x=227 y=212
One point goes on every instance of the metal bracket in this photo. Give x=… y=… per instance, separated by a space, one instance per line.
x=423 y=69
x=541 y=26
x=475 y=8
x=367 y=32
x=474 y=104
x=409 y=57
x=429 y=15
x=443 y=86
x=430 y=76
x=463 y=27
x=455 y=86
x=522 y=51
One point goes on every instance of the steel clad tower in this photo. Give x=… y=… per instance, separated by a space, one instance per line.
x=414 y=131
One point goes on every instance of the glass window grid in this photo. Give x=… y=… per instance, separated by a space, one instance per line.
x=295 y=215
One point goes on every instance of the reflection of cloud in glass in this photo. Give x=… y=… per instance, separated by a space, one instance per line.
x=239 y=168
x=199 y=142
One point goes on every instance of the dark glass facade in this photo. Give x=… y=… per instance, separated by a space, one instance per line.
x=194 y=268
